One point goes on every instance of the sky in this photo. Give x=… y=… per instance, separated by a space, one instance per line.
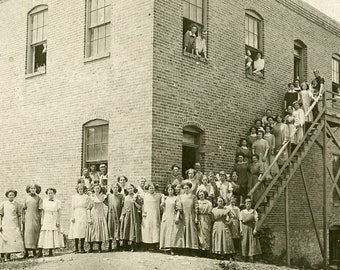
x=330 y=7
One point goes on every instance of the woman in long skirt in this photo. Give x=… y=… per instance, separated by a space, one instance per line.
x=80 y=202
x=235 y=223
x=96 y=231
x=151 y=217
x=114 y=201
x=190 y=210
x=222 y=242
x=270 y=138
x=241 y=170
x=204 y=222
x=299 y=116
x=10 y=226
x=281 y=133
x=256 y=170
x=130 y=232
x=172 y=227
x=51 y=236
x=32 y=218
x=290 y=122
x=250 y=243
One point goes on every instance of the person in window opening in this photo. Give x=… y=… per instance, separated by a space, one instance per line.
x=201 y=44
x=175 y=177
x=259 y=66
x=264 y=118
x=317 y=84
x=248 y=62
x=86 y=179
x=297 y=87
x=290 y=97
x=94 y=174
x=190 y=39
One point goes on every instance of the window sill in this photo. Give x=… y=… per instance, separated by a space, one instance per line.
x=96 y=57
x=196 y=57
x=255 y=78
x=34 y=74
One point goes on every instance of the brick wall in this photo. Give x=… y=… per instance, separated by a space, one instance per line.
x=42 y=116
x=218 y=96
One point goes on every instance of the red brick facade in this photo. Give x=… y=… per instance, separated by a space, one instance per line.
x=149 y=91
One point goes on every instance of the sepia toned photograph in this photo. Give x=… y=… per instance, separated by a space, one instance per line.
x=170 y=134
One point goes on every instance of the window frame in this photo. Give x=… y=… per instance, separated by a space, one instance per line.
x=93 y=124
x=260 y=42
x=186 y=22
x=301 y=58
x=336 y=59
x=30 y=46
x=88 y=28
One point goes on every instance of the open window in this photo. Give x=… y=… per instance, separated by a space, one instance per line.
x=194 y=27
x=254 y=63
x=300 y=61
x=37 y=40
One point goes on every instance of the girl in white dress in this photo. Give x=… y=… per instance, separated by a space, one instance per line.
x=299 y=116
x=77 y=230
x=10 y=221
x=50 y=236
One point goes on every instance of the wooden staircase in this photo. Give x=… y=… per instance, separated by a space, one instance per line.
x=274 y=189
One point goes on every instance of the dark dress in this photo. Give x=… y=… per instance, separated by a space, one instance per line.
x=245 y=151
x=255 y=170
x=241 y=170
x=290 y=98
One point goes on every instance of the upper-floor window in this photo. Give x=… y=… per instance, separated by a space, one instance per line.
x=37 y=39
x=98 y=34
x=336 y=79
x=254 y=62
x=194 y=27
x=300 y=61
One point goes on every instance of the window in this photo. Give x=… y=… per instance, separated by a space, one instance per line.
x=98 y=27
x=37 y=40
x=96 y=142
x=336 y=79
x=254 y=43
x=300 y=61
x=336 y=167
x=194 y=14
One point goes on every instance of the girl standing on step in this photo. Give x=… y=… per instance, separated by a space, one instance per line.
x=256 y=170
x=241 y=170
x=299 y=117
x=130 y=232
x=96 y=231
x=31 y=216
x=281 y=133
x=261 y=147
x=10 y=226
x=51 y=236
x=270 y=138
x=114 y=201
x=80 y=202
x=252 y=137
x=250 y=243
x=172 y=227
x=151 y=217
x=222 y=242
x=290 y=120
x=244 y=149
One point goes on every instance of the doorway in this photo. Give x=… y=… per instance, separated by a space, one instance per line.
x=190 y=148
x=334 y=245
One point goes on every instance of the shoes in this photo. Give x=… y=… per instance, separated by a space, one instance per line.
x=82 y=251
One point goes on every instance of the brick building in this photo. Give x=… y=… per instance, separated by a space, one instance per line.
x=107 y=82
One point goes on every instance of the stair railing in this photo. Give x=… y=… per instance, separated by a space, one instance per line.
x=285 y=145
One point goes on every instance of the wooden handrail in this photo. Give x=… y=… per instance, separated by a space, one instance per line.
x=284 y=146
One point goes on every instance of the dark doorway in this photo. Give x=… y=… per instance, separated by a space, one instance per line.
x=188 y=158
x=190 y=148
x=334 y=246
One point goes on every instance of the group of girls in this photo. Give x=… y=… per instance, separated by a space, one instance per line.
x=177 y=221
x=33 y=225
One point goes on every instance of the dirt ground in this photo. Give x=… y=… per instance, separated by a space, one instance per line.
x=128 y=261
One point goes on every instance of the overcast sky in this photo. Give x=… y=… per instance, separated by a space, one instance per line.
x=329 y=7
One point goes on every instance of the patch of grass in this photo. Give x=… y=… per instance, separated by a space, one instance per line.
x=19 y=264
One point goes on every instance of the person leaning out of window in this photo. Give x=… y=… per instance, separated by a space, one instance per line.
x=259 y=66
x=201 y=44
x=190 y=39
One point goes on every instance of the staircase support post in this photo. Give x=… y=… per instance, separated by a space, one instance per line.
x=325 y=245
x=287 y=226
